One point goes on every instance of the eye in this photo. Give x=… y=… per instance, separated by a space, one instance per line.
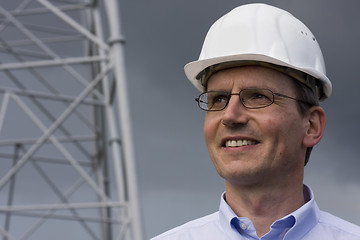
x=256 y=98
x=221 y=98
x=259 y=96
x=217 y=100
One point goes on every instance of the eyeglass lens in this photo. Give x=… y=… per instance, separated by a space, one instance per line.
x=250 y=98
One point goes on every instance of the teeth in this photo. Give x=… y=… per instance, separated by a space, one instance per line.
x=239 y=143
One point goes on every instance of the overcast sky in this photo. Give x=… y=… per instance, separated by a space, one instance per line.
x=177 y=179
x=178 y=182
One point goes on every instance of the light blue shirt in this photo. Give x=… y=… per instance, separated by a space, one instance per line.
x=308 y=222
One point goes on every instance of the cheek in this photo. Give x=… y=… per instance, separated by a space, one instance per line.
x=276 y=128
x=210 y=128
x=285 y=130
x=270 y=124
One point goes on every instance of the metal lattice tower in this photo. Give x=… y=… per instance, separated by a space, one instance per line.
x=67 y=167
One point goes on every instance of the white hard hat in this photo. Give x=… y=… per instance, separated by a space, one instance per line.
x=263 y=35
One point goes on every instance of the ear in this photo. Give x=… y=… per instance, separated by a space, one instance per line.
x=315 y=126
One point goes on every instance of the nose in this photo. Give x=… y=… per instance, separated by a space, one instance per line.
x=234 y=113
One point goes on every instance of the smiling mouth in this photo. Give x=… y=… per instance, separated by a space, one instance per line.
x=240 y=143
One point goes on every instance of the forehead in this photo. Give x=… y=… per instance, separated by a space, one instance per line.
x=249 y=76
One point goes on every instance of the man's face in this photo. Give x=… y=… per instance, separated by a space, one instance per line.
x=269 y=141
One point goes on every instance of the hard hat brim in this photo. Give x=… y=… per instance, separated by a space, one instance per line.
x=193 y=69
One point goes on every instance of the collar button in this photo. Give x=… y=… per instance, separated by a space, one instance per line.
x=243 y=226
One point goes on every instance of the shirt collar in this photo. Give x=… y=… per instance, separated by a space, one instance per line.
x=294 y=226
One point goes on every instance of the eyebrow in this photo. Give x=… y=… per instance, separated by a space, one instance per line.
x=248 y=87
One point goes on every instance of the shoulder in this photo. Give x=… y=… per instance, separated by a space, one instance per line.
x=195 y=229
x=337 y=227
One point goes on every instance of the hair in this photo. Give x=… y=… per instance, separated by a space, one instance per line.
x=310 y=99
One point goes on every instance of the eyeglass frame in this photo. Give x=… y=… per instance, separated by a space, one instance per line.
x=242 y=101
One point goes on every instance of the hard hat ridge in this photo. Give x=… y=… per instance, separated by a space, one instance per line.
x=259 y=33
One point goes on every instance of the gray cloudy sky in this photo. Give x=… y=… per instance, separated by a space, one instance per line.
x=178 y=181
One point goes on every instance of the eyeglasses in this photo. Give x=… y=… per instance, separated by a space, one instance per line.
x=251 y=98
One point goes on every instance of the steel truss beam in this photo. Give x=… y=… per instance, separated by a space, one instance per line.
x=66 y=152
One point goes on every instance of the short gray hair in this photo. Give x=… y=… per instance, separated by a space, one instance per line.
x=311 y=98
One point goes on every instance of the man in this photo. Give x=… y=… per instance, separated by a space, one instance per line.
x=262 y=75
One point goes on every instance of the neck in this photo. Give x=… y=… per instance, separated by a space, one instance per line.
x=266 y=203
